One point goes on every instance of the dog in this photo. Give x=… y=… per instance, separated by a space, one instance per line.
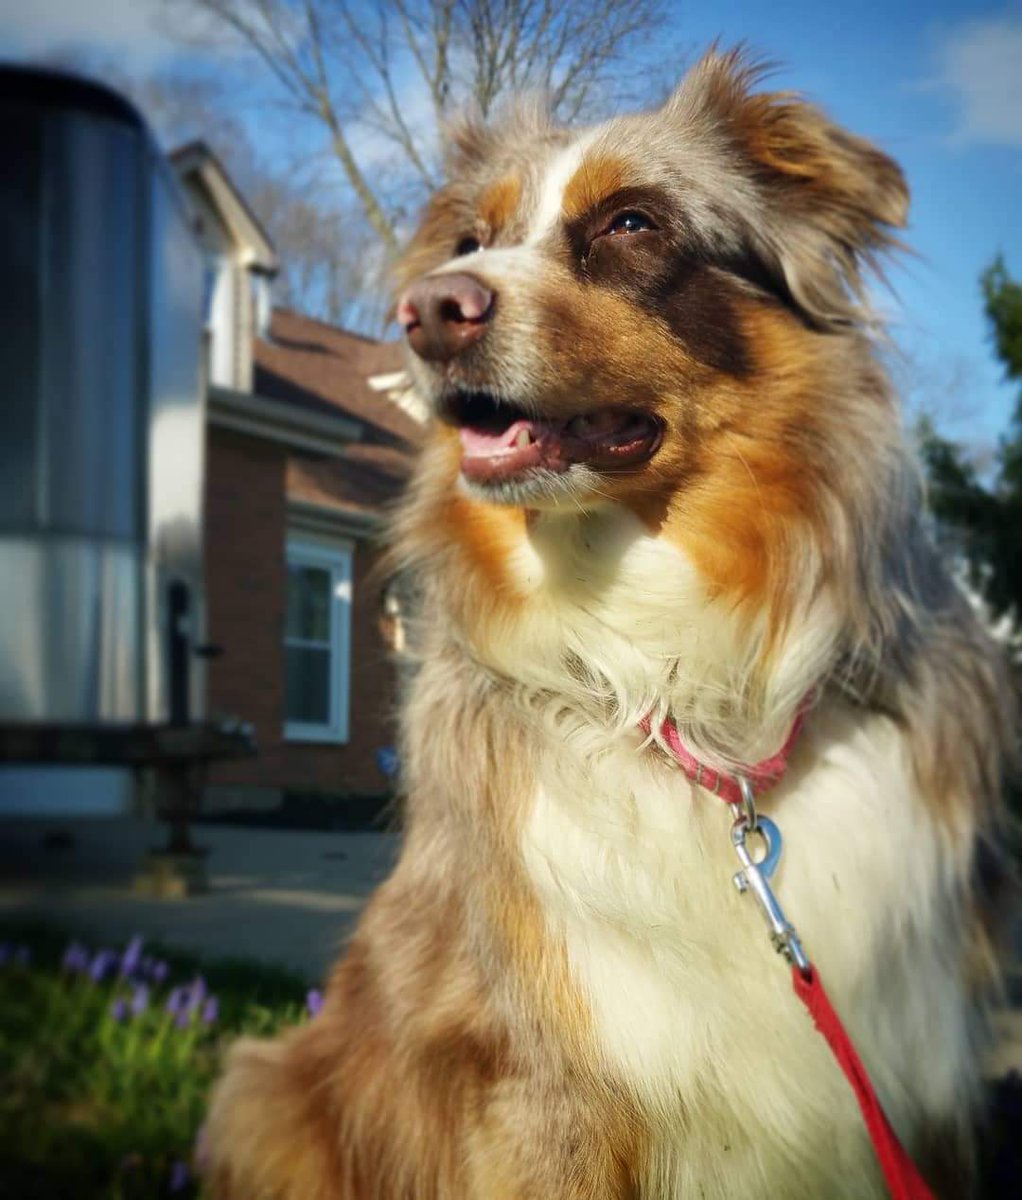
x=665 y=523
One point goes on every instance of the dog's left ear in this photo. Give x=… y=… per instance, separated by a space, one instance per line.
x=466 y=140
x=828 y=201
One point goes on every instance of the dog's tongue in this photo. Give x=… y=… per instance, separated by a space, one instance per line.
x=489 y=455
x=484 y=442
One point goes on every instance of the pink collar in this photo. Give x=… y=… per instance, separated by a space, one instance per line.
x=760 y=776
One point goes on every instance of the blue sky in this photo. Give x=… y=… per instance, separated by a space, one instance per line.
x=937 y=83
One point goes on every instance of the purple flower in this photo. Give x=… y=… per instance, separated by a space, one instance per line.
x=159 y=971
x=119 y=1009
x=140 y=1000
x=314 y=1001
x=179 y=1176
x=183 y=1019
x=102 y=961
x=132 y=956
x=5 y=952
x=211 y=1010
x=76 y=957
x=196 y=994
x=176 y=1001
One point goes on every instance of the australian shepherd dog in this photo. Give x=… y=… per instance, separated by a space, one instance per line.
x=664 y=524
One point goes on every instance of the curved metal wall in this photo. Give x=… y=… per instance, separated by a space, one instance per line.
x=101 y=409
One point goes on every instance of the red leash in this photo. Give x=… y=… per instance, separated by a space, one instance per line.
x=903 y=1179
x=900 y=1173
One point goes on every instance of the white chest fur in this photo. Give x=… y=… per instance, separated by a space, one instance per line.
x=691 y=1006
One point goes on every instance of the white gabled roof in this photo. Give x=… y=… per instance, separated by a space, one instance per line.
x=197 y=161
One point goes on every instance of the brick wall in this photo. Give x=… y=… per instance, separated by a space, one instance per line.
x=246 y=533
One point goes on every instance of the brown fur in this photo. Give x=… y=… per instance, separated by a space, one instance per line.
x=431 y=1072
x=598 y=177
x=500 y=202
x=456 y=1057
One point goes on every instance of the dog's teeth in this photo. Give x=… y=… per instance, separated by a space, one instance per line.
x=523 y=439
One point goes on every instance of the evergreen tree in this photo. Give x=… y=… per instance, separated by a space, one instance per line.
x=986 y=522
x=1002 y=298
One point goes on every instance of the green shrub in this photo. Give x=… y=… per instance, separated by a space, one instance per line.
x=106 y=1059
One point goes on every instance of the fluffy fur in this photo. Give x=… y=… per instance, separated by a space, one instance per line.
x=558 y=993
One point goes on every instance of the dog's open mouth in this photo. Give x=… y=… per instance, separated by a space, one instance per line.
x=500 y=441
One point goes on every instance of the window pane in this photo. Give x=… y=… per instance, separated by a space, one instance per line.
x=308 y=603
x=308 y=685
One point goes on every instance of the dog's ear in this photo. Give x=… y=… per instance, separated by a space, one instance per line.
x=828 y=201
x=467 y=141
x=471 y=140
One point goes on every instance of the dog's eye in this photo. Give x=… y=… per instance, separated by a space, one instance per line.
x=467 y=245
x=628 y=222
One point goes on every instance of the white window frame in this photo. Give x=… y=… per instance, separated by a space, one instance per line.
x=336 y=557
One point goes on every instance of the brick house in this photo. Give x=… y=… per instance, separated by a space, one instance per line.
x=310 y=438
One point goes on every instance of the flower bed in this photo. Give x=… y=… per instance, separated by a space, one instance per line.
x=107 y=1056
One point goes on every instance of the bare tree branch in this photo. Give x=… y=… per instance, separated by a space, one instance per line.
x=358 y=74
x=390 y=120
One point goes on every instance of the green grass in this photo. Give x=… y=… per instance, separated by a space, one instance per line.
x=100 y=1105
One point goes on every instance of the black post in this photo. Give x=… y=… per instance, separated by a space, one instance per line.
x=178 y=651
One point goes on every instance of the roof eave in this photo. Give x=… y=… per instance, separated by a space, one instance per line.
x=286 y=424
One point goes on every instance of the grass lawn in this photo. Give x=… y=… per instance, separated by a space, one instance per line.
x=106 y=1058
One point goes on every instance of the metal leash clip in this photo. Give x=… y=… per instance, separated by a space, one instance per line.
x=754 y=875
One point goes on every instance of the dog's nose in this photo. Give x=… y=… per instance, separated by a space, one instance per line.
x=445 y=315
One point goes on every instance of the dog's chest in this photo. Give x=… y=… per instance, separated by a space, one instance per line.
x=690 y=1006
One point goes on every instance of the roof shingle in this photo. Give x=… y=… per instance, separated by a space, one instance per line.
x=325 y=369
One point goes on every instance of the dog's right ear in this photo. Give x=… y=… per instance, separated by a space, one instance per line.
x=821 y=203
x=470 y=140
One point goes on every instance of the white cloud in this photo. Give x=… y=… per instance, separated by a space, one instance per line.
x=980 y=64
x=138 y=34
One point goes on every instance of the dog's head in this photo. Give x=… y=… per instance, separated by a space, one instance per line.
x=591 y=311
